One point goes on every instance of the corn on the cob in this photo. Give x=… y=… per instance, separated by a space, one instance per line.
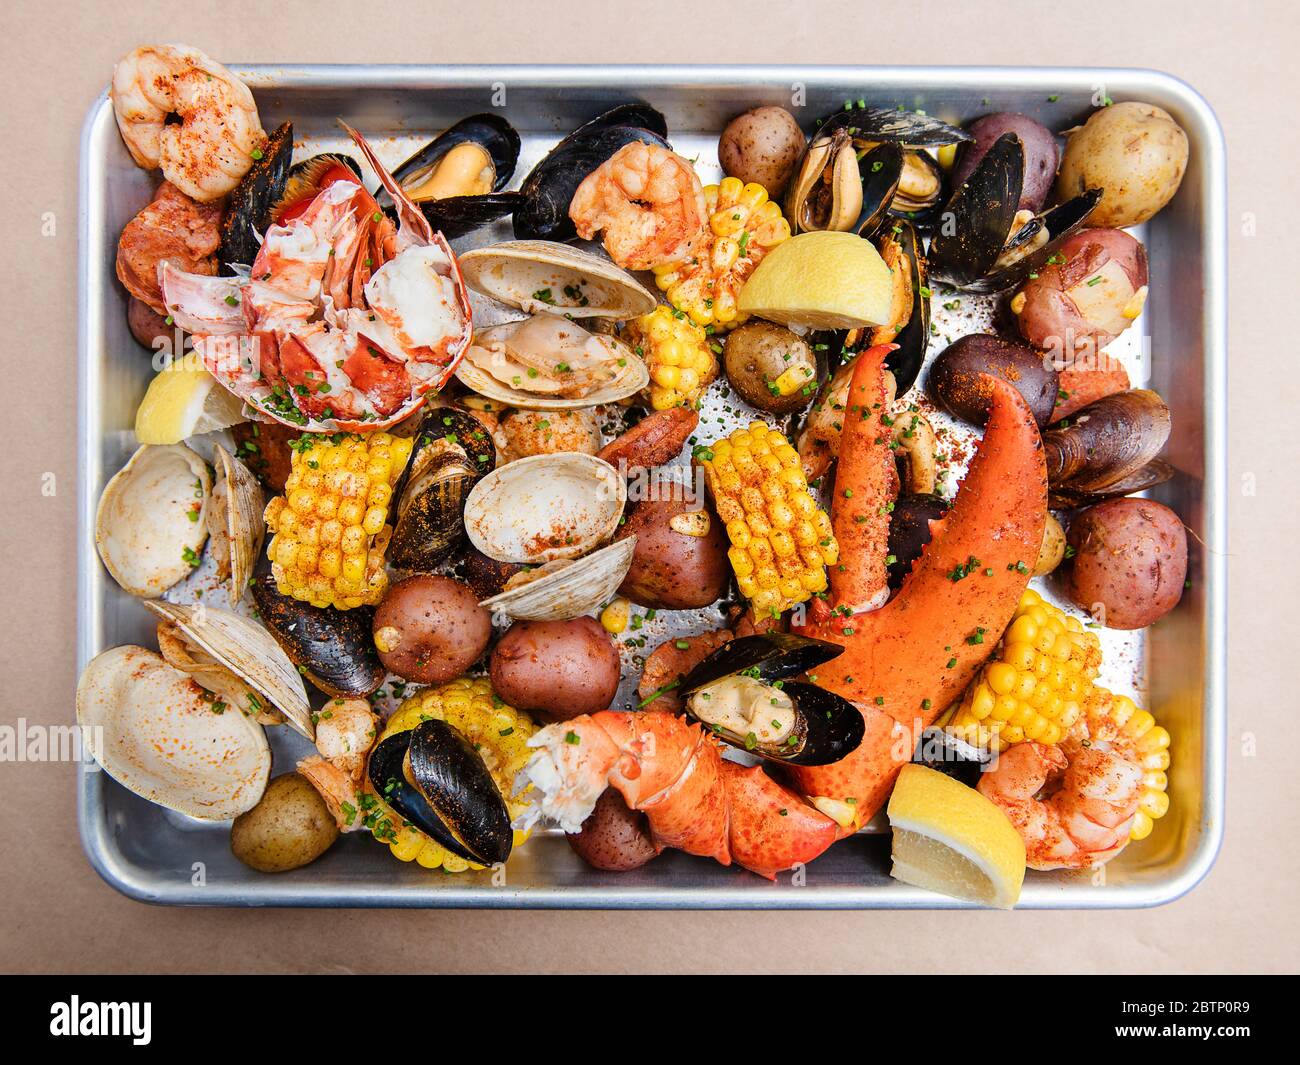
x=781 y=541
x=1117 y=721
x=1040 y=686
x=330 y=529
x=499 y=732
x=744 y=225
x=678 y=353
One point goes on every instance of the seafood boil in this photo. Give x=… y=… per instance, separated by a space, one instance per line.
x=735 y=502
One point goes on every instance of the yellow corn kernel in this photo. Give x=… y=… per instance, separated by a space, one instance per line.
x=615 y=616
x=677 y=353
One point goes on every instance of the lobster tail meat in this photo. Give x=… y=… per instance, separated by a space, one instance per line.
x=904 y=663
x=672 y=771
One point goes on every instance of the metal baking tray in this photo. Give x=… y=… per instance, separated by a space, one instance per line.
x=1177 y=668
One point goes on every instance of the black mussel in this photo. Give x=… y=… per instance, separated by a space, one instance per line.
x=862 y=164
x=334 y=649
x=909 y=532
x=1108 y=448
x=543 y=212
x=985 y=242
x=452 y=452
x=456 y=179
x=433 y=777
x=951 y=755
x=744 y=694
x=904 y=253
x=248 y=212
x=308 y=178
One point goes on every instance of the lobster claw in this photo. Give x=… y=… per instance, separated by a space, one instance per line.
x=905 y=662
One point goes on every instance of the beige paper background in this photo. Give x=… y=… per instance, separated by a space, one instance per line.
x=56 y=915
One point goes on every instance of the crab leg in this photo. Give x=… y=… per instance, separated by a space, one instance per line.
x=904 y=663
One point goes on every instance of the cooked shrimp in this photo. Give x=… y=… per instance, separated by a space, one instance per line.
x=207 y=152
x=345 y=732
x=1091 y=797
x=648 y=201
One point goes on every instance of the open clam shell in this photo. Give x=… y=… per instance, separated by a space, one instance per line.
x=545 y=507
x=155 y=731
x=570 y=589
x=235 y=520
x=489 y=364
x=248 y=651
x=793 y=722
x=152 y=519
x=541 y=275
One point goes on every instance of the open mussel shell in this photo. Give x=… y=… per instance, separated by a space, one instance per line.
x=979 y=248
x=545 y=507
x=248 y=211
x=836 y=189
x=909 y=128
x=248 y=651
x=156 y=732
x=452 y=452
x=434 y=778
x=569 y=589
x=827 y=727
x=332 y=648
x=913 y=338
x=543 y=275
x=771 y=656
x=237 y=527
x=151 y=522
x=548 y=190
x=939 y=749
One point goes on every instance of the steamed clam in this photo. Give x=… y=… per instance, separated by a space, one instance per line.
x=452 y=453
x=564 y=589
x=235 y=657
x=1108 y=448
x=235 y=526
x=744 y=693
x=546 y=507
x=151 y=523
x=456 y=179
x=157 y=732
x=549 y=362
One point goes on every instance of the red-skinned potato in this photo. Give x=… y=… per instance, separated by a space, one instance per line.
x=613 y=837
x=1130 y=562
x=1042 y=153
x=559 y=669
x=763 y=145
x=430 y=629
x=672 y=569
x=1080 y=303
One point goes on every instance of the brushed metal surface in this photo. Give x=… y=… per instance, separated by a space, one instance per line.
x=151 y=854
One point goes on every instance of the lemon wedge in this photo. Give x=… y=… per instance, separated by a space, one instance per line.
x=185 y=400
x=951 y=839
x=820 y=281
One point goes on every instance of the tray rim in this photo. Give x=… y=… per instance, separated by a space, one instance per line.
x=1191 y=868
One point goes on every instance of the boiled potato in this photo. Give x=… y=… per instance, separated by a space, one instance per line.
x=1053 y=547
x=764 y=146
x=1136 y=152
x=1042 y=154
x=960 y=378
x=430 y=629
x=288 y=828
x=613 y=837
x=770 y=367
x=672 y=569
x=1130 y=562
x=559 y=669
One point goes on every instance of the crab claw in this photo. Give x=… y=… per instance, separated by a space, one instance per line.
x=904 y=663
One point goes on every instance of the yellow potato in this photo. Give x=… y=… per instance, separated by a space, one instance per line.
x=288 y=828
